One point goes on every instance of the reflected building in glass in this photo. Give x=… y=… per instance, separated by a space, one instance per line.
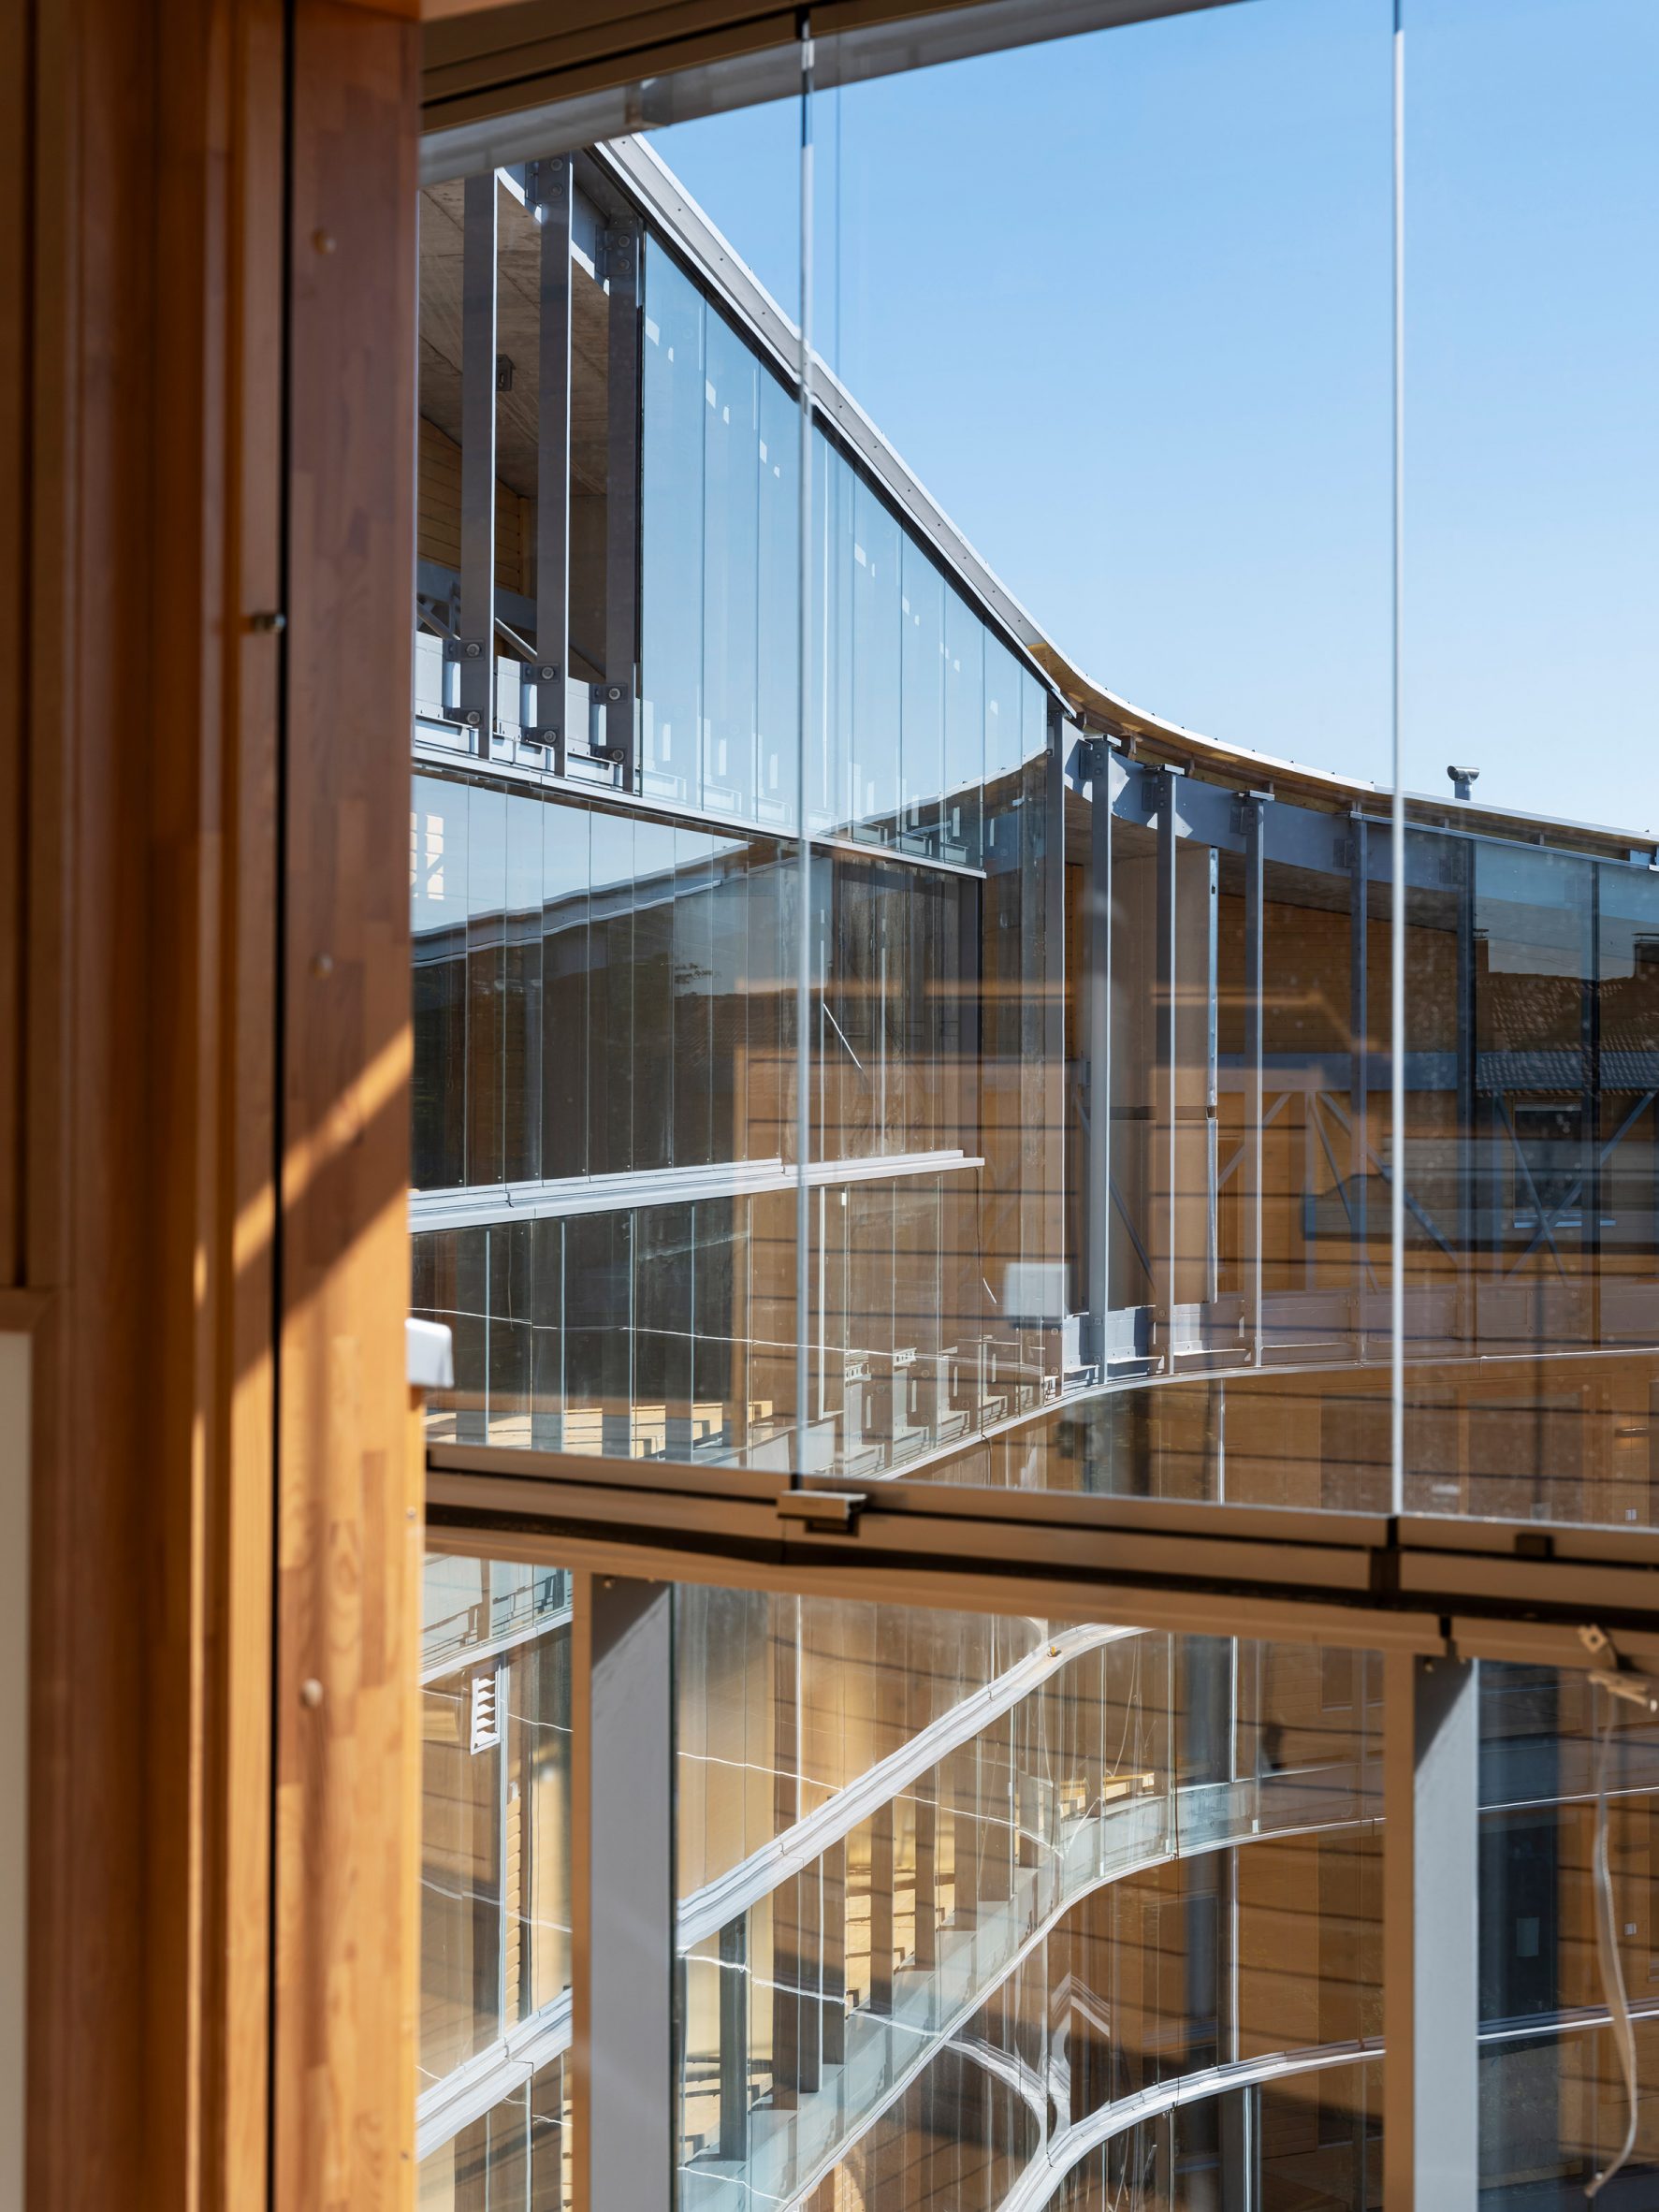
x=1100 y=1158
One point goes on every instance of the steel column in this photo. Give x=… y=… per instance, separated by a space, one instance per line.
x=1098 y=1015
x=553 y=195
x=881 y=1877
x=623 y=1890
x=927 y=1801
x=1430 y=1992
x=621 y=528
x=1162 y=1196
x=1255 y=935
x=1055 y=1265
x=734 y=2044
x=476 y=645
x=833 y=1981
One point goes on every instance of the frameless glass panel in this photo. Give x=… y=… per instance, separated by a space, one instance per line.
x=606 y=903
x=1530 y=504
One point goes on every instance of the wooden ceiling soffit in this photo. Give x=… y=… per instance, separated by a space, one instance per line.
x=610 y=68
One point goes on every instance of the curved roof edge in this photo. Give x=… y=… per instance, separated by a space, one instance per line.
x=636 y=165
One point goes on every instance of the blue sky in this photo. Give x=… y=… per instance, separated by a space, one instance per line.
x=1122 y=303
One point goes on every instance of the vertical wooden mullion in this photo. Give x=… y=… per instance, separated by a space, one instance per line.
x=349 y=1529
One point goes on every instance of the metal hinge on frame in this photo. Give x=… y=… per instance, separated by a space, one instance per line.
x=833 y=1512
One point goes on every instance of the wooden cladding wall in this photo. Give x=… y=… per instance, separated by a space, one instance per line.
x=437 y=523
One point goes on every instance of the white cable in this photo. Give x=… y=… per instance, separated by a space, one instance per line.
x=1606 y=1939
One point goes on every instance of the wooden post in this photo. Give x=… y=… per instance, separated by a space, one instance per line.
x=151 y=337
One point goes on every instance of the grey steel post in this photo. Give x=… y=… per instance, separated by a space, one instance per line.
x=833 y=1949
x=733 y=2033
x=1431 y=1988
x=622 y=525
x=552 y=190
x=622 y=1890
x=1255 y=933
x=882 y=1882
x=1359 y=1030
x=476 y=645
x=927 y=1801
x=1164 y=1046
x=1053 y=1020
x=1098 y=907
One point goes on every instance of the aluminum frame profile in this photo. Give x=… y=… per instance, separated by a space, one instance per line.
x=1519 y=1590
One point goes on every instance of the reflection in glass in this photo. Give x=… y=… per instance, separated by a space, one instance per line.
x=962 y=1898
x=492 y=2117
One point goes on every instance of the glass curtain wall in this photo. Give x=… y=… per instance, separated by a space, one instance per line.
x=1036 y=914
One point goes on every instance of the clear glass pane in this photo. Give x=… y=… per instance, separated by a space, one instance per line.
x=1554 y=2106
x=966 y=1902
x=1532 y=496
x=604 y=878
x=493 y=2118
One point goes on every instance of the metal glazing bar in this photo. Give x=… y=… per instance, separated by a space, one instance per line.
x=552 y=193
x=1431 y=1993
x=624 y=1887
x=1053 y=985
x=1250 y=1206
x=622 y=240
x=1165 y=1184
x=475 y=648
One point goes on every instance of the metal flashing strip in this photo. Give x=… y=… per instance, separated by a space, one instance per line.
x=482 y=1205
x=480 y=103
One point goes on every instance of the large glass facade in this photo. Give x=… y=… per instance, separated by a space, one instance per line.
x=853 y=1042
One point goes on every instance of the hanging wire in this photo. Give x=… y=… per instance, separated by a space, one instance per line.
x=1606 y=1936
